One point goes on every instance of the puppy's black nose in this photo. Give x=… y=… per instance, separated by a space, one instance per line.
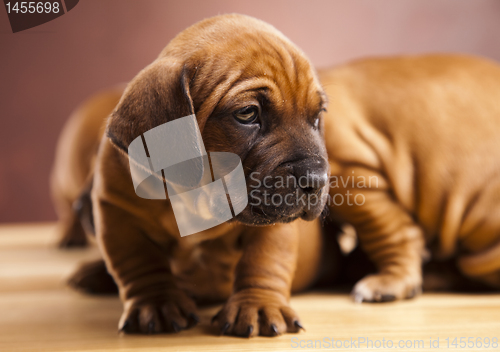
x=311 y=175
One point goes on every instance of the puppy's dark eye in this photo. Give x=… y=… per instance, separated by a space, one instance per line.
x=246 y=115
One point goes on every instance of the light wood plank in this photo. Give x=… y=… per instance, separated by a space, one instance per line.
x=38 y=313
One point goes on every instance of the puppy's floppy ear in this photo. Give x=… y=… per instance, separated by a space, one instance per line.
x=158 y=94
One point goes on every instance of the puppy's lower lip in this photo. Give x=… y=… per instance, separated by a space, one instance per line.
x=259 y=211
x=308 y=216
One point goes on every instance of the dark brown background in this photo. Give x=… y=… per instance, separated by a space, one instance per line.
x=46 y=71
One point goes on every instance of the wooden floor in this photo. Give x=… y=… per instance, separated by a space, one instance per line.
x=38 y=313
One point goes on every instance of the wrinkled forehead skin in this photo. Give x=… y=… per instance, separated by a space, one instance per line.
x=236 y=53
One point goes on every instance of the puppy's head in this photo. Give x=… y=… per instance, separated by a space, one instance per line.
x=254 y=94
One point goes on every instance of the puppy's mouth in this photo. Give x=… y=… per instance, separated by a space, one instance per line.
x=263 y=213
x=292 y=190
x=261 y=218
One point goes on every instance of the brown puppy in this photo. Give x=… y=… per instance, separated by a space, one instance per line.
x=414 y=140
x=254 y=94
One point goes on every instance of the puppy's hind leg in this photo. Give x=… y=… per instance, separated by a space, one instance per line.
x=392 y=240
x=72 y=233
x=91 y=277
x=78 y=221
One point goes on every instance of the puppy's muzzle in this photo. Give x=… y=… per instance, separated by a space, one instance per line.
x=294 y=189
x=311 y=175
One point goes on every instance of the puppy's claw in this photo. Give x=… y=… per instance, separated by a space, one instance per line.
x=151 y=327
x=275 y=329
x=224 y=328
x=214 y=318
x=298 y=325
x=175 y=326
x=125 y=326
x=194 y=318
x=249 y=331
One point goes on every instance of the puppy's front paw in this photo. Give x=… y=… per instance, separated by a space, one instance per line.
x=254 y=312
x=386 y=288
x=171 y=312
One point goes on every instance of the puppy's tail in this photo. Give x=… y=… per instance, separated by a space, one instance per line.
x=83 y=209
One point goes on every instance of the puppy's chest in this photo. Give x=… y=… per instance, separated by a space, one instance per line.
x=205 y=268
